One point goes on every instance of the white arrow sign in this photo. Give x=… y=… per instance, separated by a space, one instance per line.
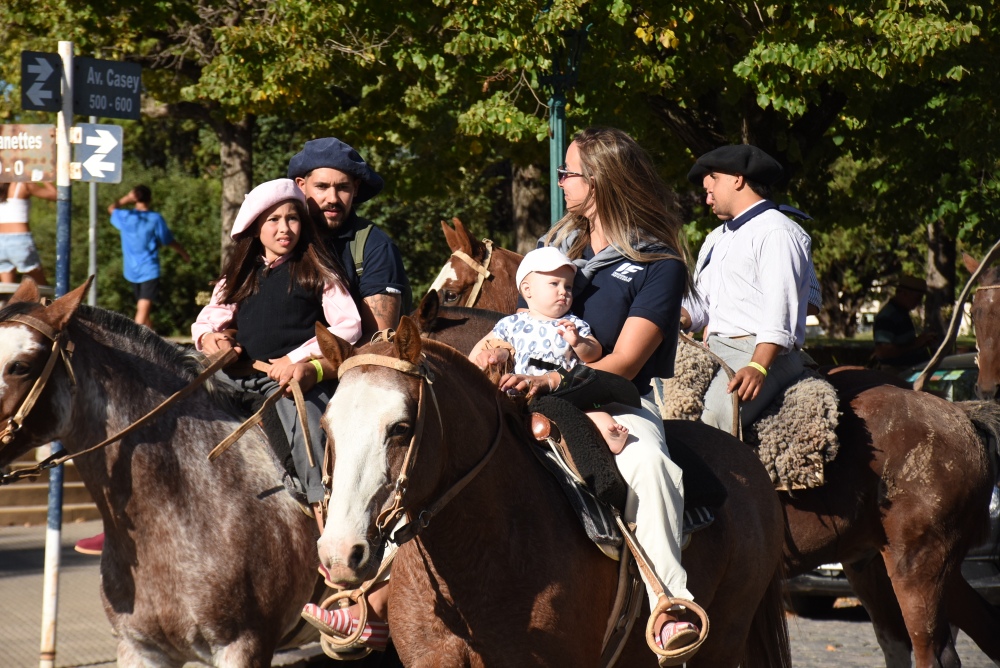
x=105 y=141
x=96 y=166
x=42 y=70
x=38 y=94
x=98 y=153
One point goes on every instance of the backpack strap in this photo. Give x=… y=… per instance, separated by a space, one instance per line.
x=357 y=246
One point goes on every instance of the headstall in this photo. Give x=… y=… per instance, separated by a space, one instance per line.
x=62 y=348
x=482 y=269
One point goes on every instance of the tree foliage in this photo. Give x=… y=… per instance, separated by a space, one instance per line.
x=883 y=115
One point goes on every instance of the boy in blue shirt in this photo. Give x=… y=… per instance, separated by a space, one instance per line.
x=143 y=232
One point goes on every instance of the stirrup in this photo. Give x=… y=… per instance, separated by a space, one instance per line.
x=680 y=655
x=336 y=646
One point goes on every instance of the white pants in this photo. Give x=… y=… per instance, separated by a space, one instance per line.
x=656 y=495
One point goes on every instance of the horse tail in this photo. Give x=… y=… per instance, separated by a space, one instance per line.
x=767 y=644
x=985 y=417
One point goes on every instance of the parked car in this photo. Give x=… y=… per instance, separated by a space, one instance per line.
x=814 y=593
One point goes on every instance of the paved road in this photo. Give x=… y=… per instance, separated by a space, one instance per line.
x=845 y=639
x=842 y=640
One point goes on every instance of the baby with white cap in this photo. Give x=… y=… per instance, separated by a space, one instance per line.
x=547 y=336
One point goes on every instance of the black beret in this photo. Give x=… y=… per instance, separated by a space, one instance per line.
x=743 y=159
x=334 y=154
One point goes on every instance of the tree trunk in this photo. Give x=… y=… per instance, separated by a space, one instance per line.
x=530 y=206
x=236 y=156
x=941 y=258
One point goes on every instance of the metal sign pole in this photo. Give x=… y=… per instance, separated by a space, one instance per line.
x=92 y=238
x=53 y=534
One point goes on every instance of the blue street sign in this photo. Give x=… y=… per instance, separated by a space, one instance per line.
x=107 y=88
x=97 y=153
x=41 y=76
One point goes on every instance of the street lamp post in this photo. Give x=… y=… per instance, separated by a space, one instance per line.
x=565 y=72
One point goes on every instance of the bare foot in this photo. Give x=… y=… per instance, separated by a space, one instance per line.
x=616 y=437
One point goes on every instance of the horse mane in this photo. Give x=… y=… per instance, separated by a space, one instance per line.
x=124 y=334
x=117 y=331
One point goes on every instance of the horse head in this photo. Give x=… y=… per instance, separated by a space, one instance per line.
x=986 y=319
x=477 y=273
x=35 y=391
x=372 y=424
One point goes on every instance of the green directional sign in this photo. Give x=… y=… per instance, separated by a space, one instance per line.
x=27 y=153
x=107 y=88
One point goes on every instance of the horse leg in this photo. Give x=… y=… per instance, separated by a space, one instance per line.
x=871 y=584
x=918 y=579
x=974 y=615
x=135 y=655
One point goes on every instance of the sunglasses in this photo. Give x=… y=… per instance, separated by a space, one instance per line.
x=562 y=173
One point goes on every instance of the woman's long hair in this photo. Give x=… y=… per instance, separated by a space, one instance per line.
x=4 y=192
x=632 y=202
x=311 y=265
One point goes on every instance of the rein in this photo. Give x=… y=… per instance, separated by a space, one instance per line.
x=216 y=362
x=482 y=269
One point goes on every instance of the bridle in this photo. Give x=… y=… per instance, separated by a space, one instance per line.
x=395 y=509
x=482 y=270
x=62 y=348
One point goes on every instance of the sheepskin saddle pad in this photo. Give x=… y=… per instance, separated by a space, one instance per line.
x=795 y=436
x=573 y=450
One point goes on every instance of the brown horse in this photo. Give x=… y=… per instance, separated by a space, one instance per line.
x=504 y=575
x=905 y=499
x=986 y=318
x=205 y=562
x=472 y=271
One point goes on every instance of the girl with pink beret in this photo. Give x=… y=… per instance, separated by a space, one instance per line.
x=278 y=282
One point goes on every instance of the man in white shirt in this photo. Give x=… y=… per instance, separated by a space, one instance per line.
x=752 y=284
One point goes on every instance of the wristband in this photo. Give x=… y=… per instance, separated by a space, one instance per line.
x=759 y=367
x=319 y=370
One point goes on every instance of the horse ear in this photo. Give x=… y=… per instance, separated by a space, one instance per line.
x=970 y=263
x=26 y=292
x=457 y=237
x=334 y=348
x=407 y=340
x=61 y=310
x=427 y=311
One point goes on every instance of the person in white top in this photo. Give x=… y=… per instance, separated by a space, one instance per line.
x=17 y=247
x=752 y=284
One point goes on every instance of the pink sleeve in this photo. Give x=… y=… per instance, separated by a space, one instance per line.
x=342 y=314
x=213 y=318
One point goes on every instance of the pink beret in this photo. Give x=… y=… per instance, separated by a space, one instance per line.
x=262 y=198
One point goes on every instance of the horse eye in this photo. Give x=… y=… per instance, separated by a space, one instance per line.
x=450 y=296
x=399 y=429
x=18 y=369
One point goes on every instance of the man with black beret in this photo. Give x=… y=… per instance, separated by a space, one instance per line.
x=752 y=283
x=335 y=179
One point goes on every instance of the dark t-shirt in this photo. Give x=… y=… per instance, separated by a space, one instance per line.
x=383 y=265
x=650 y=290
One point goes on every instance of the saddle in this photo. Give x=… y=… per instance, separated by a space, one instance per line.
x=795 y=437
x=573 y=450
